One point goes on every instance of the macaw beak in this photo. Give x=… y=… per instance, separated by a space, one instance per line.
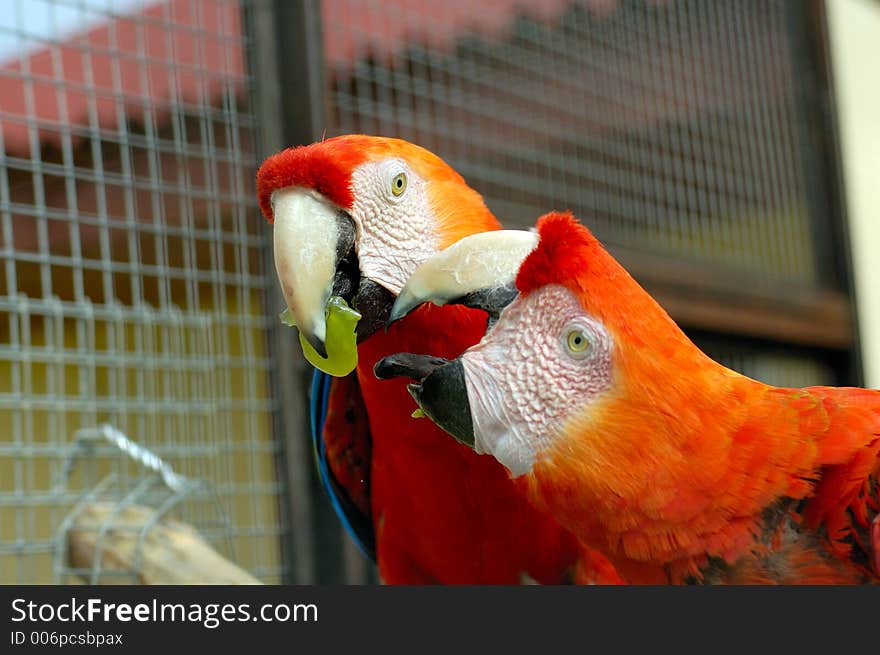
x=439 y=389
x=315 y=257
x=478 y=271
x=312 y=237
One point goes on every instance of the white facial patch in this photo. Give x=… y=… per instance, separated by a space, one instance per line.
x=392 y=229
x=542 y=362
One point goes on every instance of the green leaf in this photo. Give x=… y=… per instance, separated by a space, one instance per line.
x=287 y=318
x=341 y=341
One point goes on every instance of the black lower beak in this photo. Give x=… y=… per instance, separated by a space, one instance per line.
x=439 y=390
x=492 y=301
x=372 y=300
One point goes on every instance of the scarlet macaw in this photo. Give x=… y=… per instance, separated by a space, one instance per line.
x=612 y=420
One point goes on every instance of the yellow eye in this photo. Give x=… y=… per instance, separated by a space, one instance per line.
x=577 y=341
x=398 y=184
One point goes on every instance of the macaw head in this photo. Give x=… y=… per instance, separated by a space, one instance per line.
x=618 y=425
x=579 y=353
x=354 y=216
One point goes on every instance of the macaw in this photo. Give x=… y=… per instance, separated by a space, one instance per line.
x=353 y=217
x=609 y=418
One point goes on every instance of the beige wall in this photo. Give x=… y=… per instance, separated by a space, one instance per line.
x=855 y=43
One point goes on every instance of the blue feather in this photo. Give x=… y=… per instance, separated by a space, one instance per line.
x=358 y=526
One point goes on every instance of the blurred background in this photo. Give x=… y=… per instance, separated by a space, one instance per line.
x=727 y=152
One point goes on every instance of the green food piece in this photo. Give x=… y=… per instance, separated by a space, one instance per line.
x=341 y=341
x=287 y=318
x=419 y=413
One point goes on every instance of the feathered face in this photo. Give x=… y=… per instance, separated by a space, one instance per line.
x=545 y=361
x=353 y=217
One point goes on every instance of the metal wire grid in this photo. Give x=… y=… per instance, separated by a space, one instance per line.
x=134 y=481
x=133 y=276
x=667 y=125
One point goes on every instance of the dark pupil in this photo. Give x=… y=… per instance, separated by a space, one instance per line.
x=399 y=182
x=577 y=341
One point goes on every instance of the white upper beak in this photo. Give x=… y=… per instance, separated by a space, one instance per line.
x=477 y=262
x=306 y=233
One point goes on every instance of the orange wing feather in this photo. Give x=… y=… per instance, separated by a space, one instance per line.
x=847 y=500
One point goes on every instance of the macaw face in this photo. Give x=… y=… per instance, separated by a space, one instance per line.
x=353 y=217
x=543 y=362
x=363 y=253
x=394 y=221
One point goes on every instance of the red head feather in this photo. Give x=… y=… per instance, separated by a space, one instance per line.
x=325 y=167
x=566 y=251
x=569 y=255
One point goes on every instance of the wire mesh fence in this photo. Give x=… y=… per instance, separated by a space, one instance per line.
x=109 y=533
x=672 y=127
x=131 y=290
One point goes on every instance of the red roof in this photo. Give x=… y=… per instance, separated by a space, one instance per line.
x=353 y=28
x=171 y=52
x=191 y=52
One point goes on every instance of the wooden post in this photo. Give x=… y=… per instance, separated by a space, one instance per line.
x=171 y=552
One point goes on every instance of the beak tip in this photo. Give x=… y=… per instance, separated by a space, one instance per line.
x=318 y=344
x=415 y=390
x=397 y=313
